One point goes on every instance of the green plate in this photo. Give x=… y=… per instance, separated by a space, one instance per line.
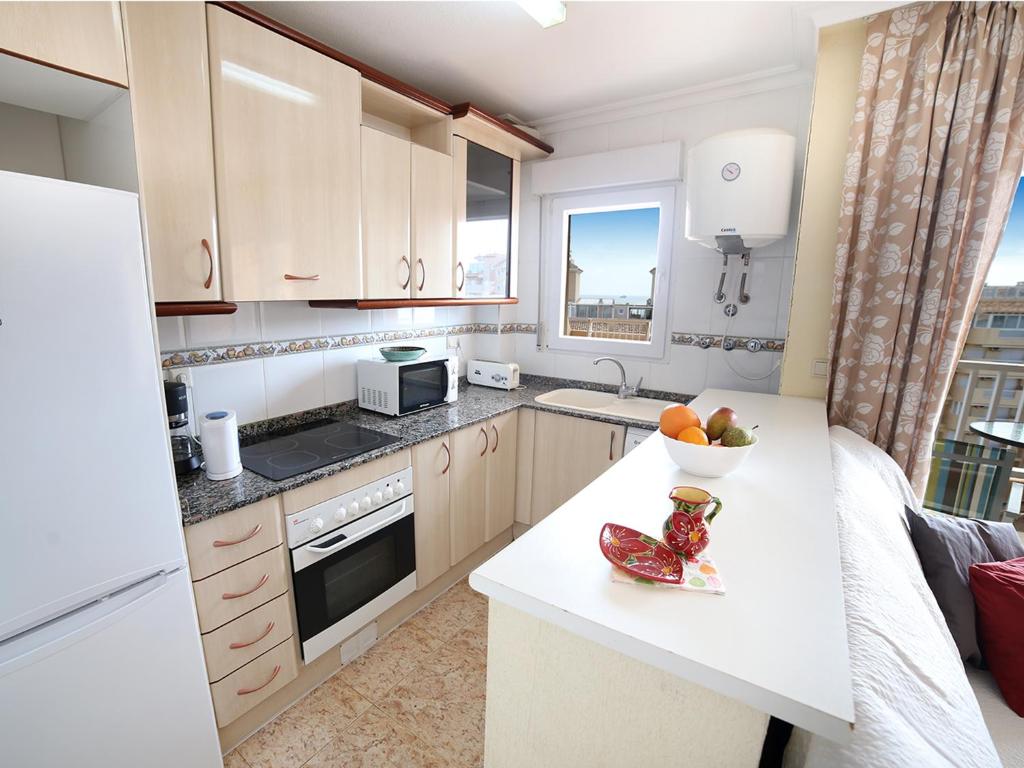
x=401 y=354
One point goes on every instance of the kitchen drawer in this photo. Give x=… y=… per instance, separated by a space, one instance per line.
x=243 y=689
x=240 y=641
x=222 y=541
x=228 y=594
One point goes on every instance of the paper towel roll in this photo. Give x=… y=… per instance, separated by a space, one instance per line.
x=218 y=431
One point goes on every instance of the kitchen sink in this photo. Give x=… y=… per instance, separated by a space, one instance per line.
x=640 y=408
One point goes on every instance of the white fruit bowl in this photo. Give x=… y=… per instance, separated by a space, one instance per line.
x=706 y=460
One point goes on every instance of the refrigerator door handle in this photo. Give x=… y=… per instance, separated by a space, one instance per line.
x=49 y=638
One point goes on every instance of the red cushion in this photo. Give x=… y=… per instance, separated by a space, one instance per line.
x=999 y=595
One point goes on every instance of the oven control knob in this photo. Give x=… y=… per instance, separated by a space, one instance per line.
x=341 y=514
x=353 y=508
x=365 y=504
x=399 y=486
x=378 y=497
x=316 y=525
x=389 y=493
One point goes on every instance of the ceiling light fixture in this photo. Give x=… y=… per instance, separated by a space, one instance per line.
x=547 y=13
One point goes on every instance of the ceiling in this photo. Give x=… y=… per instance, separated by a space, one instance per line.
x=495 y=55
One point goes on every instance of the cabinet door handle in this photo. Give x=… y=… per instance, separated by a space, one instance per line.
x=423 y=274
x=209 y=255
x=247 y=691
x=448 y=453
x=264 y=633
x=408 y=277
x=221 y=543
x=462 y=280
x=236 y=595
x=487 y=441
x=611 y=446
x=495 y=438
x=301 y=277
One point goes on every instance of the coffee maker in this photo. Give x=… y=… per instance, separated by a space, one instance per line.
x=184 y=447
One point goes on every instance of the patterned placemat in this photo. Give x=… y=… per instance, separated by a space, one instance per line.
x=699 y=575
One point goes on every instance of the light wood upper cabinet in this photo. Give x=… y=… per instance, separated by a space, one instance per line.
x=170 y=94
x=286 y=148
x=386 y=177
x=568 y=454
x=431 y=224
x=469 y=447
x=501 y=474
x=431 y=464
x=84 y=38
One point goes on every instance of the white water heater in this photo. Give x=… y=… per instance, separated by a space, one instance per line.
x=739 y=184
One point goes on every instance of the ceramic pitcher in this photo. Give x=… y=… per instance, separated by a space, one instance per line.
x=686 y=529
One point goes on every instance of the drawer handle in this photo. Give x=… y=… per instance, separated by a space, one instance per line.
x=220 y=543
x=408 y=278
x=423 y=274
x=236 y=595
x=495 y=438
x=301 y=277
x=448 y=453
x=209 y=254
x=487 y=441
x=611 y=446
x=247 y=691
x=267 y=631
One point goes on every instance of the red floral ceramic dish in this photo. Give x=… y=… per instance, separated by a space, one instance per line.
x=639 y=554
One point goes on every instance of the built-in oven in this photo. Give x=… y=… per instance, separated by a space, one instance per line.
x=397 y=388
x=353 y=557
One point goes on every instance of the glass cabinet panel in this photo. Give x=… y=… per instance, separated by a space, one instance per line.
x=485 y=236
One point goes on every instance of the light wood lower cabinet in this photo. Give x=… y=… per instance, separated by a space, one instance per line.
x=501 y=474
x=222 y=541
x=568 y=454
x=237 y=590
x=170 y=88
x=240 y=641
x=244 y=688
x=468 y=490
x=84 y=38
x=286 y=140
x=431 y=466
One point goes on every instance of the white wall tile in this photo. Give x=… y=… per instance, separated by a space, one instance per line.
x=294 y=383
x=743 y=371
x=391 y=319
x=785 y=296
x=220 y=330
x=342 y=322
x=428 y=317
x=539 y=363
x=231 y=386
x=759 y=316
x=340 y=373
x=460 y=315
x=283 y=320
x=170 y=332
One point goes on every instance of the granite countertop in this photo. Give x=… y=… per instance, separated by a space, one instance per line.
x=202 y=498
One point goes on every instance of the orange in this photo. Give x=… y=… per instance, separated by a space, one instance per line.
x=694 y=435
x=676 y=418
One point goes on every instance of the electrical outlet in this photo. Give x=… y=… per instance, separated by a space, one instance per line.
x=819 y=368
x=184 y=375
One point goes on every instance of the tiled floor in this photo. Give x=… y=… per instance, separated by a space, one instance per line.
x=416 y=700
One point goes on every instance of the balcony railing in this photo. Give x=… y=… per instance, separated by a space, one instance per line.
x=983 y=390
x=630 y=330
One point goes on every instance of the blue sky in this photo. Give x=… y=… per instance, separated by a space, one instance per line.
x=1008 y=265
x=615 y=250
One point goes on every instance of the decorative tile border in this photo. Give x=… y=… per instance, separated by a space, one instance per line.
x=261 y=349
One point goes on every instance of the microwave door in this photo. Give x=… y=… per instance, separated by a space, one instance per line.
x=422 y=385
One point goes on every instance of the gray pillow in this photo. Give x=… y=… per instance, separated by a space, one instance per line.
x=948 y=547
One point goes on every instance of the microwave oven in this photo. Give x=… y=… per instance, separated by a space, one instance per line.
x=399 y=388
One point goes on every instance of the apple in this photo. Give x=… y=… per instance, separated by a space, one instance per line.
x=719 y=421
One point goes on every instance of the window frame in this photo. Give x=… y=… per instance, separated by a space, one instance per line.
x=554 y=258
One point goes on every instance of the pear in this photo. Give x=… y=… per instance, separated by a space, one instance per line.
x=719 y=421
x=738 y=437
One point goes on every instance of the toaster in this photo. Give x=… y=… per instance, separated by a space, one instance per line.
x=491 y=373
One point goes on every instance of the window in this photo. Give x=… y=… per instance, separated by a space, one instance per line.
x=606 y=263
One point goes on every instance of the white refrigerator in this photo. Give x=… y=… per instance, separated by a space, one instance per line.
x=100 y=656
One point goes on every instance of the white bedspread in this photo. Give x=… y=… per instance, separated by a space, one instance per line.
x=913 y=703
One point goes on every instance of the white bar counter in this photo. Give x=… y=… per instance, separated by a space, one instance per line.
x=775 y=642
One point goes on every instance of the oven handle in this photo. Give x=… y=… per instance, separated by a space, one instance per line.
x=348 y=541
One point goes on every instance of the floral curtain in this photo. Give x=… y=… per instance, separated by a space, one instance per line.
x=934 y=159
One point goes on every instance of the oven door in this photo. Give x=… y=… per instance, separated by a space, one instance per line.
x=422 y=385
x=348 y=577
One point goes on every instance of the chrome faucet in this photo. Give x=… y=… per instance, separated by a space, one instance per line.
x=624 y=389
